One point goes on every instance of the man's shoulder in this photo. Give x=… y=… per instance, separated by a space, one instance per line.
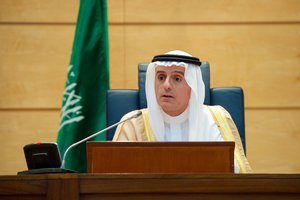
x=133 y=112
x=217 y=109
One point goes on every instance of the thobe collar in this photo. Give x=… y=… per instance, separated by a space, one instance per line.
x=176 y=127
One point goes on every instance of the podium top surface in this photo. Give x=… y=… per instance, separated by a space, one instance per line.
x=161 y=144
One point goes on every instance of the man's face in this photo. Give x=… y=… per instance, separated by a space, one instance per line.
x=171 y=89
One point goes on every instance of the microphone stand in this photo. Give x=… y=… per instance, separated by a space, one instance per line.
x=95 y=134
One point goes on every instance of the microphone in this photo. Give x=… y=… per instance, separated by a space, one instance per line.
x=137 y=114
x=44 y=158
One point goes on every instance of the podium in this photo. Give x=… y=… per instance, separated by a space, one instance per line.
x=160 y=157
x=168 y=183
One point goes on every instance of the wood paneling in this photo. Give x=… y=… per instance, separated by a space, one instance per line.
x=36 y=11
x=177 y=11
x=251 y=56
x=34 y=61
x=273 y=140
x=254 y=57
x=21 y=127
x=54 y=11
x=117 y=57
x=35 y=58
x=116 y=10
x=143 y=11
x=33 y=64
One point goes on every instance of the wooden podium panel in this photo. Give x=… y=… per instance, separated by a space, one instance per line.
x=150 y=186
x=160 y=157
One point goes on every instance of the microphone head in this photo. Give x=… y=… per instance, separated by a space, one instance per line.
x=137 y=114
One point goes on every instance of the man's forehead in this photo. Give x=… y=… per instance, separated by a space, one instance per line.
x=173 y=68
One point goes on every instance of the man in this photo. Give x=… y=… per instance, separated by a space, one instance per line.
x=175 y=95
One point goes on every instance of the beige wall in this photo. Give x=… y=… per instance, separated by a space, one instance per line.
x=254 y=44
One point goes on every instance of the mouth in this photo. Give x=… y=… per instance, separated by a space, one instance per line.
x=167 y=96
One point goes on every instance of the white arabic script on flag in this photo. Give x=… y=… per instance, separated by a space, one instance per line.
x=71 y=110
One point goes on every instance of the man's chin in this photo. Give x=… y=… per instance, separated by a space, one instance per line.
x=167 y=105
x=168 y=109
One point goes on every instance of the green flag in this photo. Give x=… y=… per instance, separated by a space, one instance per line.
x=83 y=107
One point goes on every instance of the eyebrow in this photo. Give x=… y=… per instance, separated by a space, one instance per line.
x=180 y=72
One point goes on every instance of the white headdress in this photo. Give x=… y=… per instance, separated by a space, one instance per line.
x=196 y=123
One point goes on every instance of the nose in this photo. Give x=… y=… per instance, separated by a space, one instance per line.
x=167 y=84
